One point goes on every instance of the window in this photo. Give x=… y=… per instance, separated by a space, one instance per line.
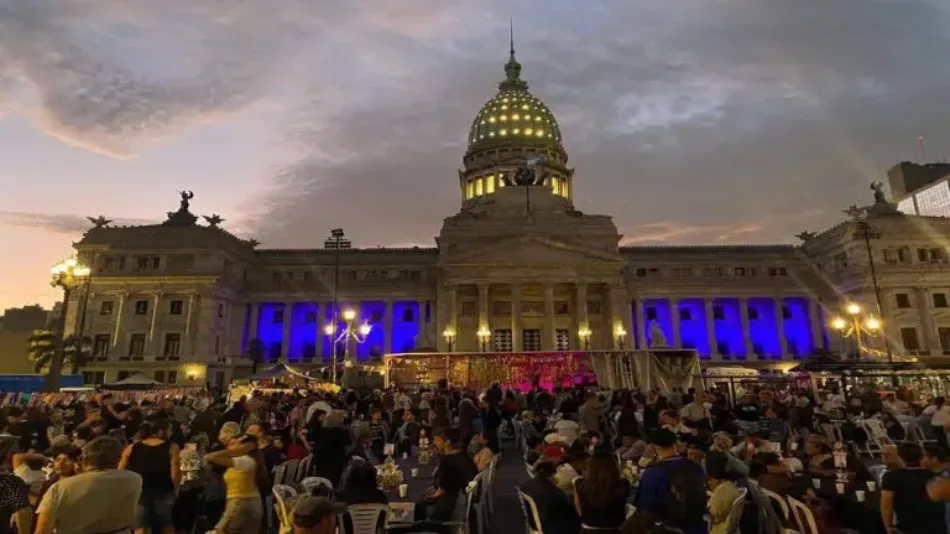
x=786 y=312
x=909 y=338
x=124 y=374
x=903 y=300
x=778 y=271
x=220 y=310
x=278 y=317
x=738 y=271
x=793 y=348
x=375 y=317
x=562 y=308
x=890 y=256
x=641 y=273
x=309 y=351
x=685 y=314
x=501 y=340
x=175 y=307
x=93 y=378
x=217 y=344
x=105 y=307
x=593 y=307
x=562 y=339
x=943 y=335
x=100 y=346
x=923 y=255
x=722 y=348
x=469 y=308
x=718 y=313
x=532 y=307
x=308 y=277
x=936 y=255
x=143 y=263
x=310 y=317
x=172 y=346
x=137 y=346
x=903 y=255
x=501 y=308
x=166 y=377
x=651 y=313
x=275 y=348
x=531 y=340
x=408 y=315
x=753 y=313
x=940 y=300
x=141 y=307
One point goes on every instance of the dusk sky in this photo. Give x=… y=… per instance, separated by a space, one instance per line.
x=688 y=121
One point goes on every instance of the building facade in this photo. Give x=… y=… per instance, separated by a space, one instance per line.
x=517 y=268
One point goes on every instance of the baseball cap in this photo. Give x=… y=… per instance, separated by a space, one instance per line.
x=310 y=511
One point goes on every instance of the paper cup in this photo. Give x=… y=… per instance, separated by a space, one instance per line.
x=840 y=488
x=403 y=490
x=415 y=472
x=859 y=495
x=872 y=485
x=405 y=456
x=816 y=482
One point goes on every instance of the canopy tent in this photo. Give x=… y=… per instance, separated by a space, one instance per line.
x=136 y=381
x=278 y=372
x=828 y=363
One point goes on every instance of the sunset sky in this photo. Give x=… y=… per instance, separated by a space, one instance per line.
x=690 y=121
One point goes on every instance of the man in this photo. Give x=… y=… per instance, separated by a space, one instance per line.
x=316 y=515
x=937 y=460
x=591 y=414
x=673 y=490
x=456 y=469
x=74 y=505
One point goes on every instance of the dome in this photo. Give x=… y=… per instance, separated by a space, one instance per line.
x=514 y=116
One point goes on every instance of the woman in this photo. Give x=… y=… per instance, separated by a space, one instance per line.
x=554 y=510
x=332 y=440
x=723 y=495
x=481 y=453
x=600 y=497
x=723 y=443
x=361 y=487
x=243 y=476
x=157 y=460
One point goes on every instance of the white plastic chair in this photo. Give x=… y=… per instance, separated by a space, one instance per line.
x=877 y=471
x=877 y=436
x=735 y=513
x=776 y=498
x=309 y=484
x=368 y=518
x=283 y=495
x=475 y=502
x=531 y=517
x=488 y=486
x=803 y=517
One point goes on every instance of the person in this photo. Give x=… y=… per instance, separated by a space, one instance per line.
x=316 y=515
x=75 y=505
x=672 y=490
x=600 y=496
x=724 y=493
x=361 y=487
x=939 y=413
x=481 y=452
x=904 y=500
x=243 y=476
x=554 y=509
x=156 y=459
x=455 y=470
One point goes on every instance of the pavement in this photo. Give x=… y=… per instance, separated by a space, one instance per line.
x=510 y=475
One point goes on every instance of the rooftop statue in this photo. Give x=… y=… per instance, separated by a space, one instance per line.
x=182 y=217
x=527 y=174
x=186 y=196
x=99 y=222
x=213 y=220
x=805 y=236
x=878 y=189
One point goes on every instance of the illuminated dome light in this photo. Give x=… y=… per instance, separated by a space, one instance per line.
x=531 y=113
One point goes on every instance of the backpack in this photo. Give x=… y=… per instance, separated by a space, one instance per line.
x=687 y=493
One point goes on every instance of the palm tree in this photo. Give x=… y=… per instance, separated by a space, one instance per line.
x=255 y=353
x=42 y=349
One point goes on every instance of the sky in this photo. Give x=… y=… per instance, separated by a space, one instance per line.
x=690 y=122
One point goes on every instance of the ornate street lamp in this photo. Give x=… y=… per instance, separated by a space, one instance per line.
x=67 y=275
x=859 y=327
x=484 y=335
x=619 y=334
x=449 y=334
x=584 y=333
x=344 y=332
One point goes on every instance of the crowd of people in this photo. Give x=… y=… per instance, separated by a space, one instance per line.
x=595 y=461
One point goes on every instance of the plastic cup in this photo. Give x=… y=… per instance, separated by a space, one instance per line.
x=816 y=482
x=872 y=486
x=405 y=456
x=403 y=491
x=859 y=495
x=415 y=472
x=840 y=488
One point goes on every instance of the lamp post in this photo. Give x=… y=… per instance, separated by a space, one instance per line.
x=619 y=334
x=484 y=334
x=67 y=275
x=344 y=332
x=449 y=334
x=857 y=326
x=862 y=230
x=336 y=242
x=584 y=333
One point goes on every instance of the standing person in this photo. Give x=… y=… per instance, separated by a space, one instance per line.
x=243 y=478
x=673 y=490
x=591 y=414
x=156 y=460
x=939 y=413
x=600 y=497
x=102 y=498
x=904 y=499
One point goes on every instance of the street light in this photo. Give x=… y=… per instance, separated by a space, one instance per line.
x=862 y=230
x=68 y=274
x=484 y=334
x=584 y=333
x=336 y=242
x=857 y=326
x=347 y=332
x=619 y=334
x=449 y=335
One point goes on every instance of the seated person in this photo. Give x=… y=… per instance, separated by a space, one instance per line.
x=532 y=452
x=723 y=493
x=481 y=453
x=554 y=508
x=631 y=448
x=361 y=487
x=455 y=470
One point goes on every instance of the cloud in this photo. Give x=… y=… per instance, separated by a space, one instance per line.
x=678 y=233
x=57 y=223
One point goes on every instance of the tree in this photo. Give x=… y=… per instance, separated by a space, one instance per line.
x=255 y=353
x=42 y=349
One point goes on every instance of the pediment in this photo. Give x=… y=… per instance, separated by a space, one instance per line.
x=529 y=251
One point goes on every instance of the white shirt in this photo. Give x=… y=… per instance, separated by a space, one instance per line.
x=940 y=417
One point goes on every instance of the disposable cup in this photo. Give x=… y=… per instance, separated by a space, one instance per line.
x=859 y=495
x=403 y=490
x=840 y=488
x=816 y=482
x=872 y=485
x=415 y=472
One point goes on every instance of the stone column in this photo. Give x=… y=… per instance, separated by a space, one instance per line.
x=931 y=343
x=318 y=338
x=484 y=315
x=676 y=342
x=156 y=301
x=549 y=341
x=817 y=329
x=516 y=345
x=423 y=335
x=711 y=328
x=746 y=334
x=189 y=328
x=619 y=316
x=580 y=314
x=641 y=324
x=388 y=322
x=120 y=311
x=288 y=330
x=253 y=319
x=780 y=327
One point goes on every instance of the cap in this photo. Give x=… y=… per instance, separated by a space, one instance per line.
x=310 y=511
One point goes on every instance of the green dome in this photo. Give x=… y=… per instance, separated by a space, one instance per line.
x=514 y=116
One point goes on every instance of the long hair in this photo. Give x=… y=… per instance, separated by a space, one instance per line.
x=603 y=478
x=155 y=426
x=260 y=469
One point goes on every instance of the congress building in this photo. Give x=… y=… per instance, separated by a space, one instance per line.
x=518 y=268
